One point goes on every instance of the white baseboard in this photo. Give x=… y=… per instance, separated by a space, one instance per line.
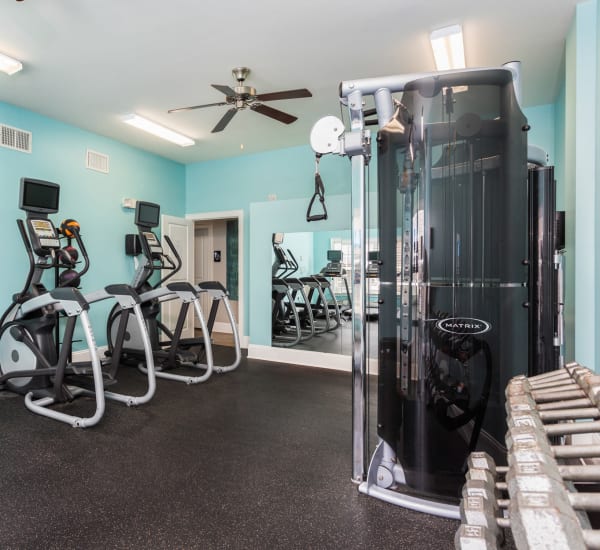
x=278 y=355
x=301 y=357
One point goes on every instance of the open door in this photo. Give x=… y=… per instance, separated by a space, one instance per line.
x=203 y=261
x=181 y=232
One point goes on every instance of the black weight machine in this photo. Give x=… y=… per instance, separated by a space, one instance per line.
x=468 y=265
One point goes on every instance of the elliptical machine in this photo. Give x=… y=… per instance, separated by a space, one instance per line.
x=291 y=316
x=169 y=348
x=126 y=298
x=32 y=362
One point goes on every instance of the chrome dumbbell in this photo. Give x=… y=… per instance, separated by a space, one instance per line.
x=544 y=520
x=475 y=537
x=481 y=512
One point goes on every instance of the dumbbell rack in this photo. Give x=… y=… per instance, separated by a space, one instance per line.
x=539 y=496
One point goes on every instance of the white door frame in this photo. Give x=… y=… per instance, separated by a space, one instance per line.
x=231 y=215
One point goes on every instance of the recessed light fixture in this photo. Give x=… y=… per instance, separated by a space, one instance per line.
x=158 y=130
x=9 y=65
x=448 y=48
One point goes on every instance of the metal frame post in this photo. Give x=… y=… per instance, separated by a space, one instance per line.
x=359 y=374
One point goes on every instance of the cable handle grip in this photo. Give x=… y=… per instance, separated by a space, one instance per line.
x=320 y=194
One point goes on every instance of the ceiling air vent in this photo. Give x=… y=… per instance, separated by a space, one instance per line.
x=16 y=139
x=96 y=161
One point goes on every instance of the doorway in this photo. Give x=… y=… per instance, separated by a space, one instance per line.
x=218 y=256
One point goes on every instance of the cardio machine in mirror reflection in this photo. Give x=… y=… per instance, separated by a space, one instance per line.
x=311 y=292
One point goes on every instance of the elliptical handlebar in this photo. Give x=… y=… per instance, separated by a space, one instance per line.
x=176 y=266
x=158 y=261
x=29 y=250
x=74 y=229
x=294 y=265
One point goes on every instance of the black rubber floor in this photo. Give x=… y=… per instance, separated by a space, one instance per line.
x=258 y=458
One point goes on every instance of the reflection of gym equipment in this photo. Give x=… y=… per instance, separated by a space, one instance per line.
x=301 y=307
x=334 y=266
x=373 y=265
x=323 y=303
x=32 y=362
x=334 y=269
x=456 y=283
x=292 y=316
x=372 y=274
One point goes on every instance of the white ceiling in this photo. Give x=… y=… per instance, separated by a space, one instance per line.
x=89 y=62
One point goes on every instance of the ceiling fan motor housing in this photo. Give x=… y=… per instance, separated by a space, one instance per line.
x=245 y=92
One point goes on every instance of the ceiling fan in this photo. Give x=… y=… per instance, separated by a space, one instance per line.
x=241 y=97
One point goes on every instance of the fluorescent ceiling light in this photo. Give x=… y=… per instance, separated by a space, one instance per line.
x=9 y=65
x=448 y=48
x=158 y=130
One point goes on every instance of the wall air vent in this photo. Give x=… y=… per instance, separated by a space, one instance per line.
x=96 y=161
x=16 y=139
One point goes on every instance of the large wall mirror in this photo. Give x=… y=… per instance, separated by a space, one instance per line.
x=311 y=291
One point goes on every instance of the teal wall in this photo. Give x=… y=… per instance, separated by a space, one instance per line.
x=585 y=159
x=577 y=146
x=301 y=246
x=541 y=120
x=596 y=183
x=93 y=198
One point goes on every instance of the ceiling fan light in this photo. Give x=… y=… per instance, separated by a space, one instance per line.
x=448 y=48
x=9 y=65
x=157 y=130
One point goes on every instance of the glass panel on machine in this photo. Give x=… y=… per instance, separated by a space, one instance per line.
x=453 y=239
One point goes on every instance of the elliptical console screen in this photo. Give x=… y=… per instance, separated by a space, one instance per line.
x=43 y=235
x=43 y=228
x=147 y=214
x=39 y=196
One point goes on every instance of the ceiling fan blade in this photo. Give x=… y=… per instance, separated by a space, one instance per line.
x=288 y=94
x=197 y=107
x=224 y=89
x=273 y=113
x=225 y=120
